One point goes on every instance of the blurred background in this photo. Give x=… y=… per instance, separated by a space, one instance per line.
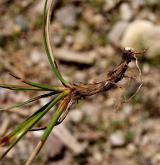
x=95 y=132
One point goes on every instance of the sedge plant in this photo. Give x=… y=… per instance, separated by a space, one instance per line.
x=63 y=97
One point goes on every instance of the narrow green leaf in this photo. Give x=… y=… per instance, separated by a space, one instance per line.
x=13 y=136
x=19 y=87
x=56 y=115
x=46 y=21
x=28 y=101
x=45 y=87
x=38 y=85
x=25 y=126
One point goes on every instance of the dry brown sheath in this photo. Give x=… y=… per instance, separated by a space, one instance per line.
x=80 y=90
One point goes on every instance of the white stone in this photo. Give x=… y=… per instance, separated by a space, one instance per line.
x=36 y=57
x=126 y=12
x=76 y=115
x=117 y=139
x=117 y=31
x=142 y=34
x=127 y=110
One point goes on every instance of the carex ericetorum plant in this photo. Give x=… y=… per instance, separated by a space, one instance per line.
x=62 y=96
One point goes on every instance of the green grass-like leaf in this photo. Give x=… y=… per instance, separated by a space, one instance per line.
x=20 y=87
x=28 y=101
x=38 y=85
x=46 y=22
x=56 y=115
x=25 y=126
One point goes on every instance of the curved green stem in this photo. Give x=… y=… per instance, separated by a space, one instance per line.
x=47 y=15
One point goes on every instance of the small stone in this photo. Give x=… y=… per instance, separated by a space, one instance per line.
x=142 y=34
x=109 y=4
x=147 y=15
x=127 y=110
x=110 y=102
x=117 y=139
x=35 y=57
x=96 y=20
x=76 y=116
x=98 y=157
x=137 y=3
x=21 y=23
x=82 y=40
x=88 y=15
x=80 y=76
x=38 y=8
x=106 y=51
x=126 y=12
x=67 y=15
x=69 y=39
x=131 y=148
x=146 y=68
x=117 y=31
x=66 y=55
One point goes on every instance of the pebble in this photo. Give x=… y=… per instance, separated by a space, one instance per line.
x=76 y=116
x=82 y=40
x=38 y=8
x=126 y=12
x=67 y=15
x=117 y=139
x=142 y=34
x=146 y=68
x=80 y=76
x=137 y=3
x=117 y=31
x=36 y=57
x=75 y=57
x=147 y=15
x=127 y=110
x=109 y=4
x=110 y=102
x=131 y=148
x=21 y=23
x=98 y=157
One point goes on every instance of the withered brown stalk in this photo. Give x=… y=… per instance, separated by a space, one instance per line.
x=80 y=91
